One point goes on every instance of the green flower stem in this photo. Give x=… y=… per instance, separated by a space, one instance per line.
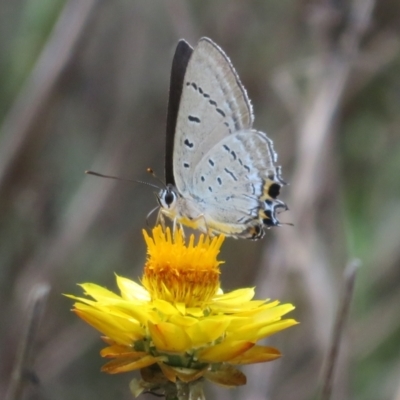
x=185 y=391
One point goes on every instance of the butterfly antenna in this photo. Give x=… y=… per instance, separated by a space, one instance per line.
x=153 y=174
x=120 y=179
x=285 y=223
x=150 y=213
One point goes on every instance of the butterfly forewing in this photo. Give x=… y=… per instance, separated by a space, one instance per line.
x=179 y=64
x=214 y=104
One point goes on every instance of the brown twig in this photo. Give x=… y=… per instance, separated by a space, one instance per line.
x=301 y=249
x=87 y=204
x=303 y=241
x=24 y=361
x=338 y=329
x=34 y=97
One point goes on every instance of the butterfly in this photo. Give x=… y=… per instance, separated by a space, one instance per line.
x=220 y=173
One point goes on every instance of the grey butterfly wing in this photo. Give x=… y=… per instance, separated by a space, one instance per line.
x=234 y=179
x=180 y=61
x=214 y=104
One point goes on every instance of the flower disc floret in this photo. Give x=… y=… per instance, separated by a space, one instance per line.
x=180 y=273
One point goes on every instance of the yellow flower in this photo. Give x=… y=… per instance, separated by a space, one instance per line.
x=178 y=326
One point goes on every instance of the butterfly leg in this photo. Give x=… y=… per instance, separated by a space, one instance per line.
x=175 y=226
x=208 y=231
x=182 y=230
x=161 y=220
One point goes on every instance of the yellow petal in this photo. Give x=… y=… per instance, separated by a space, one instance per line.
x=258 y=319
x=165 y=307
x=121 y=308
x=131 y=290
x=183 y=321
x=256 y=354
x=82 y=300
x=142 y=313
x=108 y=340
x=207 y=330
x=236 y=296
x=224 y=351
x=263 y=315
x=181 y=307
x=274 y=313
x=121 y=330
x=195 y=312
x=237 y=323
x=125 y=365
x=98 y=292
x=117 y=350
x=222 y=308
x=226 y=375
x=249 y=311
x=168 y=371
x=276 y=327
x=169 y=337
x=255 y=332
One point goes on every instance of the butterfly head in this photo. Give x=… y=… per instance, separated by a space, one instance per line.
x=181 y=210
x=167 y=198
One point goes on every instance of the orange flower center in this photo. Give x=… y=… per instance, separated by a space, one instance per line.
x=180 y=273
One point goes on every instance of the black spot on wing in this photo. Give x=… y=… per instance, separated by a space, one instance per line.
x=268 y=214
x=211 y=162
x=274 y=190
x=268 y=222
x=226 y=147
x=186 y=165
x=188 y=143
x=233 y=155
x=221 y=112
x=219 y=180
x=211 y=101
x=233 y=176
x=192 y=118
x=202 y=178
x=227 y=125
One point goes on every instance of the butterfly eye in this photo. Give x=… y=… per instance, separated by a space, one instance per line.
x=169 y=197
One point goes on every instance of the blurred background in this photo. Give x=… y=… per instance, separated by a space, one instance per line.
x=84 y=85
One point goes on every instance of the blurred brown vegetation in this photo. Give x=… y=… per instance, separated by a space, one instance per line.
x=84 y=85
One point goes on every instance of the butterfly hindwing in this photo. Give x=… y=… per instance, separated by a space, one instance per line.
x=234 y=172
